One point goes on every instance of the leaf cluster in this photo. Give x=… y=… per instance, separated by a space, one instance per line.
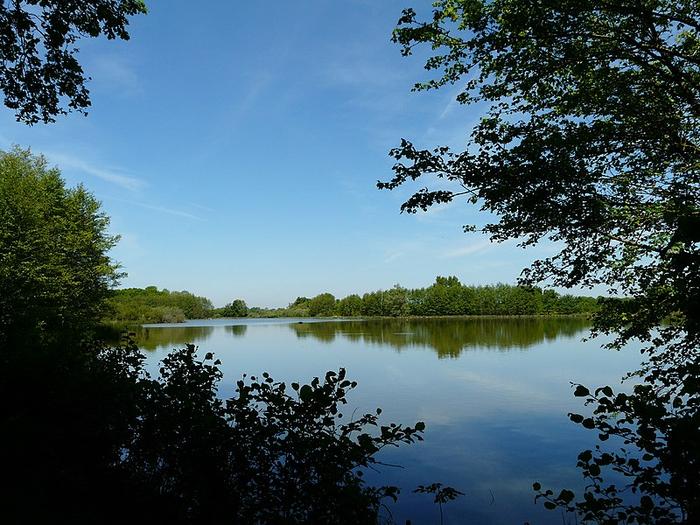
x=40 y=75
x=660 y=433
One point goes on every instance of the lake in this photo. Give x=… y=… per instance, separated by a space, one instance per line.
x=494 y=394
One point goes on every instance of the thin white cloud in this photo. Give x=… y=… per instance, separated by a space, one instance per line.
x=160 y=209
x=64 y=161
x=117 y=74
x=452 y=102
x=201 y=207
x=469 y=249
x=393 y=256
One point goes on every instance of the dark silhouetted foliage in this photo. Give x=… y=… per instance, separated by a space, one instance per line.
x=589 y=138
x=40 y=75
x=95 y=439
x=441 y=494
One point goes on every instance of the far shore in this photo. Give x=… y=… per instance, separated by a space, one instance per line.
x=123 y=325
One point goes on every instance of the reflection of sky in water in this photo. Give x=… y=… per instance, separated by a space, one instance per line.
x=493 y=393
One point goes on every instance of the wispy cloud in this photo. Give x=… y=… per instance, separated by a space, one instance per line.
x=452 y=102
x=117 y=74
x=393 y=256
x=469 y=249
x=160 y=209
x=65 y=161
x=202 y=207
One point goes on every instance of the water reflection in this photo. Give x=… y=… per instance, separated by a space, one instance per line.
x=172 y=336
x=496 y=419
x=236 y=330
x=447 y=337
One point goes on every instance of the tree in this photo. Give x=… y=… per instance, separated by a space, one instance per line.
x=150 y=305
x=350 y=306
x=236 y=308
x=322 y=305
x=444 y=297
x=373 y=303
x=39 y=69
x=589 y=138
x=395 y=301
x=55 y=272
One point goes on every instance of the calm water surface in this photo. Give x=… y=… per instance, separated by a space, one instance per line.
x=494 y=394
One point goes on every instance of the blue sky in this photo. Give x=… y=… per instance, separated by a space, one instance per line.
x=236 y=147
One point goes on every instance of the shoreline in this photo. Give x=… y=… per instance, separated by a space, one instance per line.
x=111 y=324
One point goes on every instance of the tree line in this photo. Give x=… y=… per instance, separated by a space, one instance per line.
x=151 y=305
x=445 y=297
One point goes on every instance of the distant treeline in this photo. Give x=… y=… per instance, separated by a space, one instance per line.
x=445 y=297
x=150 y=305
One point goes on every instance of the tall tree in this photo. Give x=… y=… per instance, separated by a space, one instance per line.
x=590 y=139
x=322 y=305
x=40 y=75
x=54 y=269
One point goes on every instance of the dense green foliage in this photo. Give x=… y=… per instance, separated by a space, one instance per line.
x=446 y=296
x=40 y=75
x=54 y=271
x=150 y=305
x=323 y=305
x=236 y=308
x=589 y=138
x=350 y=306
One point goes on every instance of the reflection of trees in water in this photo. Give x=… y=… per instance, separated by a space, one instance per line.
x=150 y=338
x=236 y=330
x=447 y=337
